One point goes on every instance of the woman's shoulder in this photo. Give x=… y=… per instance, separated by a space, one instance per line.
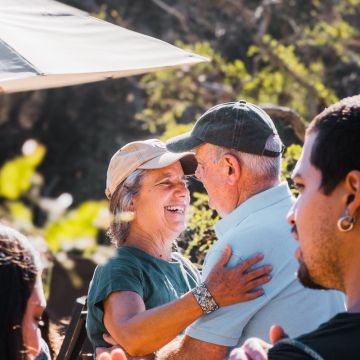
x=124 y=258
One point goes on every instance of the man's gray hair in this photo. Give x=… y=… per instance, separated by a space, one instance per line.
x=263 y=167
x=120 y=207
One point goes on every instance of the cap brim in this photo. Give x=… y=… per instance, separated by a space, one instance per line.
x=187 y=160
x=183 y=142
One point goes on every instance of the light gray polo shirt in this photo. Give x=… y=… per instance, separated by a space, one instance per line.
x=260 y=225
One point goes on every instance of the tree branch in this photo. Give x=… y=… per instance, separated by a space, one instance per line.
x=288 y=115
x=173 y=12
x=275 y=60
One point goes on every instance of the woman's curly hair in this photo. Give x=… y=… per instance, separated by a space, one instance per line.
x=19 y=266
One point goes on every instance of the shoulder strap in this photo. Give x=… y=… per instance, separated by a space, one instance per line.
x=301 y=346
x=188 y=266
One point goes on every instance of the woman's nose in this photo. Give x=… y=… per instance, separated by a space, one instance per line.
x=182 y=190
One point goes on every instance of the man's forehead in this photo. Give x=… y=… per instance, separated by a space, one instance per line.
x=304 y=165
x=298 y=170
x=202 y=150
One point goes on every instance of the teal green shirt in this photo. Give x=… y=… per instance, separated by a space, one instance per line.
x=156 y=281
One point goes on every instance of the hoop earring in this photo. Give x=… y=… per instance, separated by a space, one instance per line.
x=345 y=223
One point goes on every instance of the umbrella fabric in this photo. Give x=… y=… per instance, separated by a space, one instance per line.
x=44 y=43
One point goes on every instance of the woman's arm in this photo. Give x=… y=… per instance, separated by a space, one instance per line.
x=140 y=331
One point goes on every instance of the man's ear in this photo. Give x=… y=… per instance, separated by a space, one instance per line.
x=352 y=187
x=233 y=168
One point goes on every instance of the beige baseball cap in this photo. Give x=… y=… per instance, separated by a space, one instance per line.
x=147 y=154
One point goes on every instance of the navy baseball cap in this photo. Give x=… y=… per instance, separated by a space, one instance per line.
x=236 y=125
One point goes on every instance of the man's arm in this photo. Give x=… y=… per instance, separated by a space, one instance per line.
x=182 y=348
x=188 y=348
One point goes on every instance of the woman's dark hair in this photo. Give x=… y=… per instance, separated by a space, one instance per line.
x=336 y=150
x=19 y=266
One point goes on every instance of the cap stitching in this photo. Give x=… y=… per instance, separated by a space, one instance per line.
x=241 y=125
x=234 y=137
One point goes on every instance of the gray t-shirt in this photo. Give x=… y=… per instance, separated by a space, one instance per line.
x=156 y=281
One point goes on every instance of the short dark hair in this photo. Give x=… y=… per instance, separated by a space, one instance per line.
x=18 y=271
x=336 y=150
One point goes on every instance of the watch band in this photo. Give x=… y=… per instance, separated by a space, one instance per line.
x=204 y=299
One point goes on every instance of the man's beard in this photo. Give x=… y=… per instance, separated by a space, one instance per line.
x=305 y=279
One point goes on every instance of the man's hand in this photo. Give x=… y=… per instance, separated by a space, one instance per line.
x=115 y=354
x=277 y=333
x=255 y=348
x=238 y=354
x=103 y=353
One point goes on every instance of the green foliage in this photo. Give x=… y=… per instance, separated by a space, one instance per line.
x=174 y=130
x=290 y=159
x=21 y=214
x=16 y=175
x=77 y=229
x=347 y=7
x=64 y=230
x=288 y=69
x=266 y=86
x=336 y=35
x=200 y=234
x=177 y=96
x=296 y=73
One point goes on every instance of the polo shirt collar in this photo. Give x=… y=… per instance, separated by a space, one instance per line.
x=255 y=203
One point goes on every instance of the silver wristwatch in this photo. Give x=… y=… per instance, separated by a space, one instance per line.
x=204 y=298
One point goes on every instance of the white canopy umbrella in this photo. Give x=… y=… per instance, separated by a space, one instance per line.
x=45 y=44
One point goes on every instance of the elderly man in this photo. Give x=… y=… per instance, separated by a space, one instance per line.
x=325 y=221
x=239 y=154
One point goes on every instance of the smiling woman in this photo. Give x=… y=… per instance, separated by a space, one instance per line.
x=147 y=294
